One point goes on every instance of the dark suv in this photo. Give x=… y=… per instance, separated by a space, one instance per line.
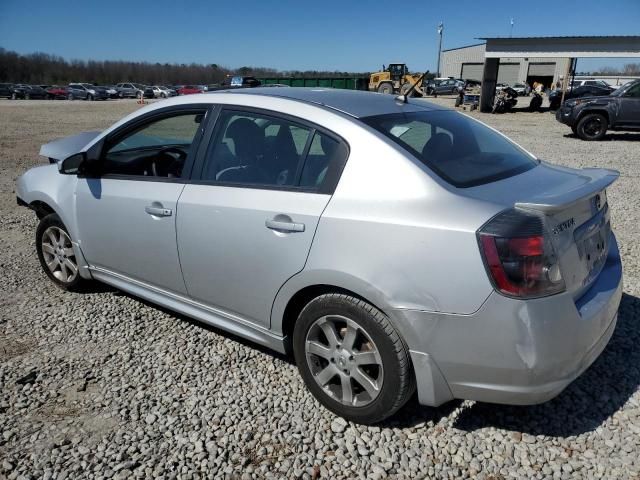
x=590 y=117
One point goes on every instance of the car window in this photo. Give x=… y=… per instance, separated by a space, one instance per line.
x=256 y=149
x=158 y=148
x=462 y=151
x=633 y=91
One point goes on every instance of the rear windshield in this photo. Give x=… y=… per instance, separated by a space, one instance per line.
x=462 y=151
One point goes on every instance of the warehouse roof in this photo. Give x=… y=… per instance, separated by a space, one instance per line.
x=563 y=46
x=466 y=46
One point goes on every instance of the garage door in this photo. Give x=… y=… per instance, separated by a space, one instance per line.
x=508 y=73
x=542 y=69
x=472 y=71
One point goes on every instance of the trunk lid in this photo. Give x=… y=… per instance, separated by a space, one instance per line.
x=573 y=204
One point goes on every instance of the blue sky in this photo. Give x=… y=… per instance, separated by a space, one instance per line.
x=327 y=35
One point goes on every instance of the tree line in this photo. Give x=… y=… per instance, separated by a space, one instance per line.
x=43 y=68
x=628 y=70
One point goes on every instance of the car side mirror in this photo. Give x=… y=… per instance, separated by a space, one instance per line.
x=71 y=165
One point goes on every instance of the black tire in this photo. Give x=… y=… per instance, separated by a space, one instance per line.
x=592 y=126
x=385 y=88
x=90 y=97
x=458 y=101
x=574 y=129
x=27 y=96
x=398 y=381
x=53 y=223
x=70 y=96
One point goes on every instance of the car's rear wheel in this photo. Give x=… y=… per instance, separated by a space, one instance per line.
x=27 y=96
x=90 y=97
x=70 y=96
x=592 y=126
x=352 y=359
x=56 y=255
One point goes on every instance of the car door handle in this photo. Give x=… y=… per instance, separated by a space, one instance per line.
x=158 y=211
x=284 y=226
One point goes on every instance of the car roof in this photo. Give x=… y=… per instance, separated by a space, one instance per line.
x=356 y=103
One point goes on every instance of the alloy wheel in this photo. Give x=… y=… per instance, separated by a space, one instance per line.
x=58 y=254
x=344 y=360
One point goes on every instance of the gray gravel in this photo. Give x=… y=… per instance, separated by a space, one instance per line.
x=102 y=385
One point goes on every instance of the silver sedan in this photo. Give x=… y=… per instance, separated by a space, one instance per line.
x=388 y=244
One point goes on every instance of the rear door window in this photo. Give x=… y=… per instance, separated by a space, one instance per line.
x=256 y=149
x=462 y=151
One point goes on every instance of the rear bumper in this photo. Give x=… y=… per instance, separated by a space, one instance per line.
x=513 y=351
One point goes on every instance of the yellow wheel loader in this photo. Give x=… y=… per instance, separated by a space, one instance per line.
x=396 y=79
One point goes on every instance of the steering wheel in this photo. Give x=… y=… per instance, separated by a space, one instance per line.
x=175 y=165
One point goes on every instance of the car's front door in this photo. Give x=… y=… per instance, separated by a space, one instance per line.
x=127 y=207
x=248 y=226
x=630 y=107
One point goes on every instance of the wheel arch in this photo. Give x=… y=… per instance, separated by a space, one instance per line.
x=601 y=111
x=304 y=287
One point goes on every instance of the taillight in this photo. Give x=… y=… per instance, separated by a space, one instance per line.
x=519 y=256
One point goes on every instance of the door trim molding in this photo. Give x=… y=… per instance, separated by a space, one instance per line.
x=213 y=316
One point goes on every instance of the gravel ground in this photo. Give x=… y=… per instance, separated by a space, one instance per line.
x=102 y=385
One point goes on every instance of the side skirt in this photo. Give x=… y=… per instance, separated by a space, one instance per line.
x=172 y=301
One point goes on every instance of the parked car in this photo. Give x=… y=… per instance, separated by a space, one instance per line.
x=28 y=92
x=6 y=90
x=86 y=91
x=148 y=92
x=555 y=97
x=448 y=86
x=591 y=117
x=190 y=89
x=591 y=83
x=55 y=92
x=111 y=90
x=129 y=90
x=240 y=81
x=277 y=236
x=159 y=91
x=522 y=89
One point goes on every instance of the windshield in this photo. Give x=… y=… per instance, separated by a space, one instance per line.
x=462 y=151
x=620 y=91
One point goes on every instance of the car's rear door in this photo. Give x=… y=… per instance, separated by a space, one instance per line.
x=247 y=225
x=127 y=208
x=630 y=107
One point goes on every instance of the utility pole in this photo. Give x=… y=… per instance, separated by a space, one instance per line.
x=511 y=32
x=440 y=29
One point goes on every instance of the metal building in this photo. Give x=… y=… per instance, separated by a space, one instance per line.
x=468 y=63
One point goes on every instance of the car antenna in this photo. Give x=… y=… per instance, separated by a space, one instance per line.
x=405 y=98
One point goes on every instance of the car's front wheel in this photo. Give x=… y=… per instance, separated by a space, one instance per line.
x=56 y=254
x=352 y=359
x=592 y=126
